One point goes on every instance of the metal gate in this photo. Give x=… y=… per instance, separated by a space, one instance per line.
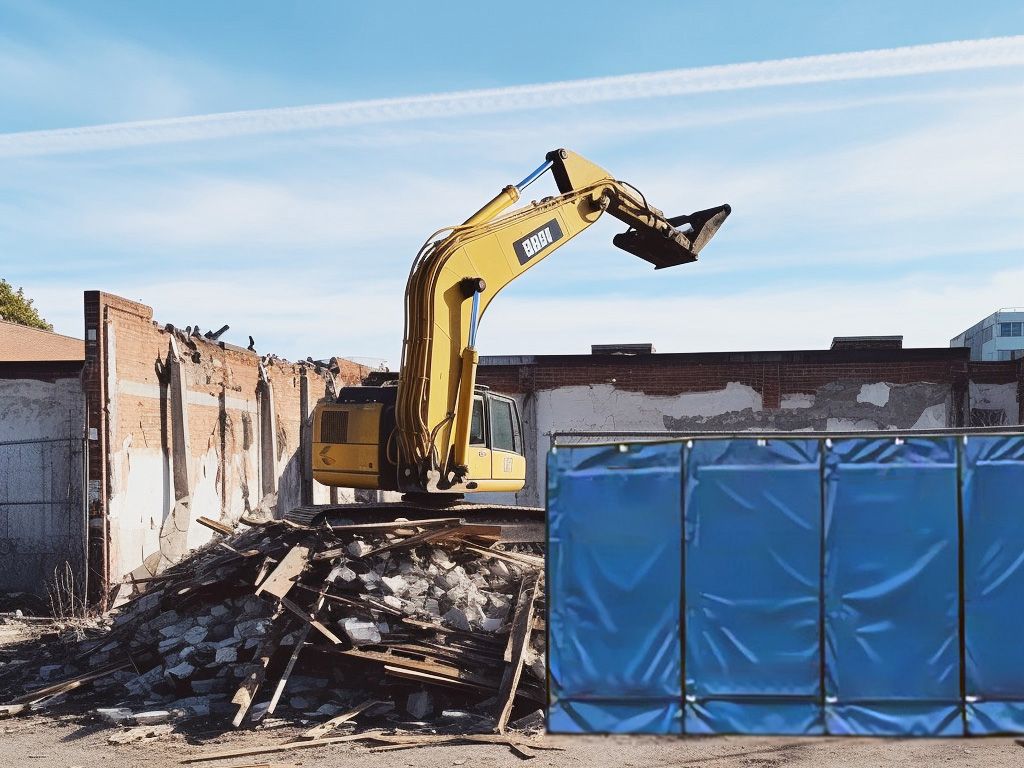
x=43 y=520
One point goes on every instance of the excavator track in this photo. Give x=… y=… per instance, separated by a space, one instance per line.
x=519 y=525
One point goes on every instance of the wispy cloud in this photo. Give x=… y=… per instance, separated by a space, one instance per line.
x=896 y=62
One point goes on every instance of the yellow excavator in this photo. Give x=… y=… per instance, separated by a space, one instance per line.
x=432 y=433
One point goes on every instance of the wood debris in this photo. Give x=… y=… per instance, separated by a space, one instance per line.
x=352 y=624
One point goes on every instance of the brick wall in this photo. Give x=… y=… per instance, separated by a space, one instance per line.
x=140 y=516
x=822 y=390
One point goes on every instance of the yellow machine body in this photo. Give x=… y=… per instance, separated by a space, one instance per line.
x=435 y=431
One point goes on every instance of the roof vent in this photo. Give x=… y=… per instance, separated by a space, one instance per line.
x=867 y=342
x=621 y=349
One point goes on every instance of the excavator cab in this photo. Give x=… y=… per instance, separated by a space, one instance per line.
x=353 y=441
x=496 y=457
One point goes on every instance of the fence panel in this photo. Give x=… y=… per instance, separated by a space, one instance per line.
x=871 y=586
x=753 y=561
x=614 y=589
x=993 y=520
x=892 y=587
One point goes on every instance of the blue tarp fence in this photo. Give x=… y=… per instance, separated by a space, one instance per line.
x=865 y=586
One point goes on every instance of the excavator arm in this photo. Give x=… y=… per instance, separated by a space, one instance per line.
x=456 y=276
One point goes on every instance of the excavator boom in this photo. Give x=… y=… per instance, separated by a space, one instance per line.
x=442 y=434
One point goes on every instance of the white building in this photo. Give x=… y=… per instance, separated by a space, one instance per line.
x=1000 y=336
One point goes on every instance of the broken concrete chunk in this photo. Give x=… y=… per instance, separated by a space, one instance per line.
x=161 y=620
x=51 y=672
x=226 y=655
x=182 y=671
x=193 y=706
x=457 y=619
x=195 y=635
x=253 y=628
x=177 y=629
x=358 y=548
x=419 y=704
x=342 y=573
x=153 y=717
x=114 y=715
x=360 y=632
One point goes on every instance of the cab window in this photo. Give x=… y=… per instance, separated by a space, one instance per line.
x=476 y=427
x=504 y=430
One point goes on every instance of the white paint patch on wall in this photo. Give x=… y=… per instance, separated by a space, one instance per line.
x=933 y=417
x=140 y=500
x=795 y=400
x=876 y=394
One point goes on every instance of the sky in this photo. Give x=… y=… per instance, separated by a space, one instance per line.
x=276 y=166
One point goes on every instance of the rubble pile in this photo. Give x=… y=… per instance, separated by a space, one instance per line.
x=431 y=621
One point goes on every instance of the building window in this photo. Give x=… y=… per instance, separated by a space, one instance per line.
x=987 y=334
x=1011 y=329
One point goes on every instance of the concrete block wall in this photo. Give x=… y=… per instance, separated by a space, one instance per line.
x=228 y=442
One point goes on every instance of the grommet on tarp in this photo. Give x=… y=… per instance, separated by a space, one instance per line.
x=761 y=442
x=828 y=442
x=898 y=441
x=689 y=443
x=623 y=448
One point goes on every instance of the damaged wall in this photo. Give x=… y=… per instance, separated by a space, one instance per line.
x=826 y=391
x=41 y=476
x=185 y=427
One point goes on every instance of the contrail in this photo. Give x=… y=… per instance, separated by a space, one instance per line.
x=893 y=62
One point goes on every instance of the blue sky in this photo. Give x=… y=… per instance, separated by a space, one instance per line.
x=878 y=194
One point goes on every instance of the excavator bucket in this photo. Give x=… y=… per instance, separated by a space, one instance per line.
x=674 y=241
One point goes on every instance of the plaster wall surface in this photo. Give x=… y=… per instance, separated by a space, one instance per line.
x=736 y=407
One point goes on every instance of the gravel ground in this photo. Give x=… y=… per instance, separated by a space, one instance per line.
x=66 y=743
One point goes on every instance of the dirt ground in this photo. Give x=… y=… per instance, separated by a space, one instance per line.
x=63 y=744
x=66 y=741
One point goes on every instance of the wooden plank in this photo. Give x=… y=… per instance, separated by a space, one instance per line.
x=321 y=730
x=414 y=541
x=426 y=677
x=517 y=558
x=215 y=525
x=396 y=524
x=246 y=692
x=520 y=641
x=433 y=668
x=282 y=747
x=299 y=642
x=311 y=620
x=70 y=684
x=283 y=577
